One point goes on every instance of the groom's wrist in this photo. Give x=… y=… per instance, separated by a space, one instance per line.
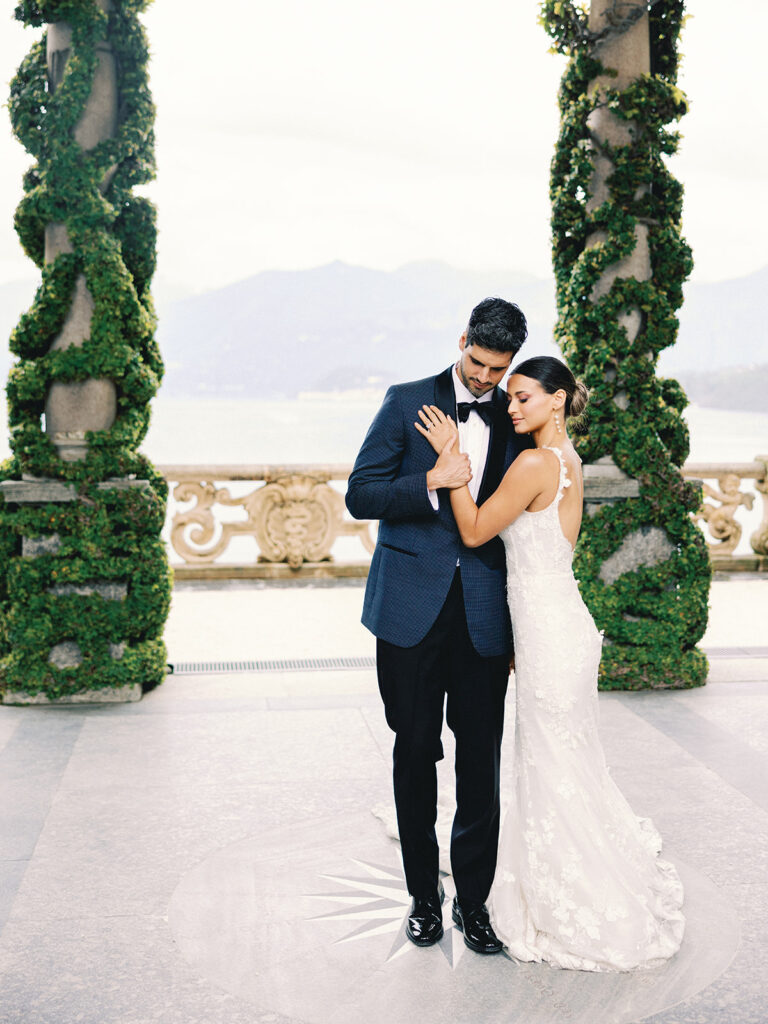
x=437 y=480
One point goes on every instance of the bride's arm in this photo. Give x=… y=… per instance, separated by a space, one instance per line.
x=524 y=480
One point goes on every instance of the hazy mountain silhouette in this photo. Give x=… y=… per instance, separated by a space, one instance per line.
x=338 y=327
x=332 y=328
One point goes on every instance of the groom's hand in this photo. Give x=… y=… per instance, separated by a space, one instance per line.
x=452 y=469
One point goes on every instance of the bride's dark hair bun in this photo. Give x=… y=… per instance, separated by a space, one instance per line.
x=554 y=375
x=579 y=399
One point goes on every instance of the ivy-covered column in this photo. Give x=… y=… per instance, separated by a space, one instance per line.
x=620 y=263
x=84 y=581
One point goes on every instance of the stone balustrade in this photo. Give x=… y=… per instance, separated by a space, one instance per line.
x=722 y=510
x=293 y=516
x=289 y=521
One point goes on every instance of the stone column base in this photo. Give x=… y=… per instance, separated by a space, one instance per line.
x=121 y=695
x=66 y=652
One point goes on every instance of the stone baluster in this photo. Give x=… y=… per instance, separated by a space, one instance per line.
x=759 y=539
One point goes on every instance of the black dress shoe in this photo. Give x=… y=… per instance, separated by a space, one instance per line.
x=473 y=920
x=425 y=921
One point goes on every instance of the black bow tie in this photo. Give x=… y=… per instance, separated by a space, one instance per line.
x=485 y=409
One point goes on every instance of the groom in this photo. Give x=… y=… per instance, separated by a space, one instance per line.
x=439 y=612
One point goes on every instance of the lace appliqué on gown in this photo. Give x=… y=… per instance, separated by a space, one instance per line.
x=579 y=882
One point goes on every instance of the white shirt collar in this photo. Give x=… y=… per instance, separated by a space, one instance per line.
x=463 y=394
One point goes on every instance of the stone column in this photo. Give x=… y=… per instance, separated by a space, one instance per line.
x=628 y=52
x=72 y=409
x=620 y=262
x=46 y=544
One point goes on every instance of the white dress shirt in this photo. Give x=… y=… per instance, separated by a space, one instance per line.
x=474 y=437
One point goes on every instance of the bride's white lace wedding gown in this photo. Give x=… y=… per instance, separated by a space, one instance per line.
x=579 y=882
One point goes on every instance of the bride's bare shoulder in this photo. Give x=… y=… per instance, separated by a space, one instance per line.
x=534 y=469
x=531 y=460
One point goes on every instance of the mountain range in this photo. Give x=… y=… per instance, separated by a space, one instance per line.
x=341 y=327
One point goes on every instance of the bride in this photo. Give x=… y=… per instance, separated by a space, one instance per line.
x=579 y=882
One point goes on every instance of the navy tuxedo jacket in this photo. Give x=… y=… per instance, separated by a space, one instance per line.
x=417 y=547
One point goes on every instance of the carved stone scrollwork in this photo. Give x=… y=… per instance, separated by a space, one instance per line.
x=294 y=518
x=759 y=539
x=194 y=533
x=721 y=518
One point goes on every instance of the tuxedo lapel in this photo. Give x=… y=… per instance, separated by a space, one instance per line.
x=497 y=446
x=445 y=396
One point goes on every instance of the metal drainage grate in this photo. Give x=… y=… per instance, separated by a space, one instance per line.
x=197 y=668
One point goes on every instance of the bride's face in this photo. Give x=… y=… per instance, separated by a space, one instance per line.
x=530 y=406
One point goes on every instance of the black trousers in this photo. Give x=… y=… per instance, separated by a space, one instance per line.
x=414 y=684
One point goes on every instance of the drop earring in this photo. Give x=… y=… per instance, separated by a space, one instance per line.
x=558 y=427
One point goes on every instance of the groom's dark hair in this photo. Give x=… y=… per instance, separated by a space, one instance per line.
x=497 y=325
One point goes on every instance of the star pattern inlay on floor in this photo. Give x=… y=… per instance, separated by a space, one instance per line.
x=378 y=902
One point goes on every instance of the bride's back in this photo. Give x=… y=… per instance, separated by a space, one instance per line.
x=571 y=503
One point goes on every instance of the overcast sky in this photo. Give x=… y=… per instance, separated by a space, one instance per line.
x=295 y=133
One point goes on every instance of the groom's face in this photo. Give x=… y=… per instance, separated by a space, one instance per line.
x=481 y=369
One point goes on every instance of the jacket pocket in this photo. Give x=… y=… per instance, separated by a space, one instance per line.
x=392 y=547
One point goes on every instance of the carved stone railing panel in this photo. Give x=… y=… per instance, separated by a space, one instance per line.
x=294 y=515
x=728 y=491
x=721 y=518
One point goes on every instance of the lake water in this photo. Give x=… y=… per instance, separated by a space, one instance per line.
x=330 y=428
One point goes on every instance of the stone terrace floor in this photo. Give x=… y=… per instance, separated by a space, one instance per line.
x=210 y=856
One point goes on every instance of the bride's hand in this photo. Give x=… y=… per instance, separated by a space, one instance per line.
x=438 y=428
